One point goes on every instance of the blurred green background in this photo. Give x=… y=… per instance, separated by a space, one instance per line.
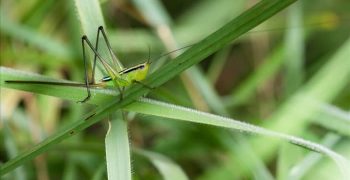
x=255 y=78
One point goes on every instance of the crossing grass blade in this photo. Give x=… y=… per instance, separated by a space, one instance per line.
x=156 y=108
x=116 y=140
x=117 y=148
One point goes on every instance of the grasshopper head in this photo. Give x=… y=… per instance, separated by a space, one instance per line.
x=142 y=71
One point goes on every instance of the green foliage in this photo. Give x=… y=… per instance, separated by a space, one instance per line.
x=299 y=87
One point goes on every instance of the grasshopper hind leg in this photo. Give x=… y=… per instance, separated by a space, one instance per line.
x=97 y=56
x=86 y=73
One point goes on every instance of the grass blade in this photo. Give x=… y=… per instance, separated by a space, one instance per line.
x=333 y=118
x=301 y=168
x=117 y=148
x=266 y=71
x=12 y=151
x=156 y=108
x=295 y=55
x=168 y=169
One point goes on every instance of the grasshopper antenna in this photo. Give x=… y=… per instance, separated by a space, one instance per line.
x=149 y=54
x=165 y=54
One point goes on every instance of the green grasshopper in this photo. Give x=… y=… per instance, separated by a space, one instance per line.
x=121 y=79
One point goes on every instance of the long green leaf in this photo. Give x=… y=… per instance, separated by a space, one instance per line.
x=302 y=167
x=152 y=107
x=117 y=148
x=294 y=59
